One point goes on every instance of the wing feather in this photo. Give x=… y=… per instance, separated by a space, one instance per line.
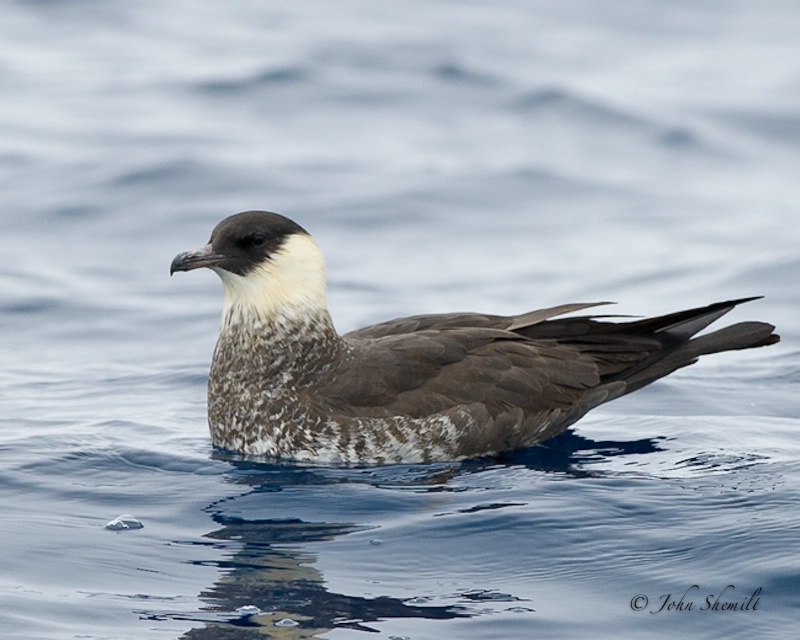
x=507 y=382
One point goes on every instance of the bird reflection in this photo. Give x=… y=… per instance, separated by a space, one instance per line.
x=270 y=573
x=270 y=584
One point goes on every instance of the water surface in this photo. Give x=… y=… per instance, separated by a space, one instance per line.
x=446 y=156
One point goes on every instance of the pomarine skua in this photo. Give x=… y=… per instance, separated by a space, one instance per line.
x=283 y=383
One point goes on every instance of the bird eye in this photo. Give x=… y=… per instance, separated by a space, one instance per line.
x=258 y=239
x=253 y=240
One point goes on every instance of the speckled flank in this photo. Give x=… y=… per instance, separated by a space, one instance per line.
x=262 y=400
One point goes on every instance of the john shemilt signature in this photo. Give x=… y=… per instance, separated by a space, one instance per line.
x=726 y=600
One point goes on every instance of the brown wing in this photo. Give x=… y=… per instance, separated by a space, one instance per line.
x=513 y=381
x=429 y=371
x=422 y=365
x=500 y=390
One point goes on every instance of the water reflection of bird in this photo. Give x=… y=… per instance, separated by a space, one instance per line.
x=273 y=575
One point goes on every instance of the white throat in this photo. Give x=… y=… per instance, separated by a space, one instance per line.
x=288 y=287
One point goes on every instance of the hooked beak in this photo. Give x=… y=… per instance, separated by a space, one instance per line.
x=188 y=260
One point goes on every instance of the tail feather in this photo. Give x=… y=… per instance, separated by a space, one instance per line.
x=744 y=335
x=684 y=324
x=630 y=355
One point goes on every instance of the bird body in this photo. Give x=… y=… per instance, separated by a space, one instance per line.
x=284 y=383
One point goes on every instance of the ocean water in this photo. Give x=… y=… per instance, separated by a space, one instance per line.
x=447 y=156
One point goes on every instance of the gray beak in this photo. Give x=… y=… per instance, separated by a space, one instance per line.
x=188 y=260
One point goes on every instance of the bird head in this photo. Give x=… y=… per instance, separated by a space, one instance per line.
x=270 y=266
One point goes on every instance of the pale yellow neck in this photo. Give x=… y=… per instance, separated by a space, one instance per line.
x=287 y=288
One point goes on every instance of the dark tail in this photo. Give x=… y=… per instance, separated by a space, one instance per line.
x=680 y=348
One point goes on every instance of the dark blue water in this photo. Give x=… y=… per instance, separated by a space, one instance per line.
x=447 y=156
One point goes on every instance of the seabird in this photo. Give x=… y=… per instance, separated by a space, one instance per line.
x=285 y=384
